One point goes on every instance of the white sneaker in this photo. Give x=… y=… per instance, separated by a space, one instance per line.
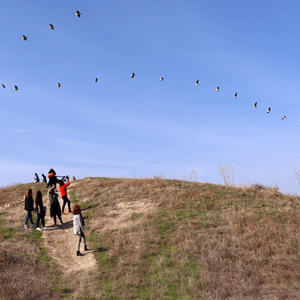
x=25 y=226
x=44 y=228
x=38 y=228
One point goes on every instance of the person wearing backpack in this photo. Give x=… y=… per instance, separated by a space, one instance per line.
x=64 y=195
x=29 y=208
x=78 y=223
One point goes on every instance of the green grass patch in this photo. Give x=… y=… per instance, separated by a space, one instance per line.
x=74 y=198
x=136 y=216
x=87 y=205
x=36 y=237
x=7 y=232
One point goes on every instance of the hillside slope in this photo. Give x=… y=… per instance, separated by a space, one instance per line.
x=172 y=239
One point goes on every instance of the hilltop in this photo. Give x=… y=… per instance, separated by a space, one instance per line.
x=155 y=239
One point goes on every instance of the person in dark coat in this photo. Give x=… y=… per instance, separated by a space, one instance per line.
x=36 y=178
x=54 y=205
x=44 y=178
x=29 y=208
x=52 y=178
x=39 y=208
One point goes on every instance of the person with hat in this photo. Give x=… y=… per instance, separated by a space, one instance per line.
x=54 y=205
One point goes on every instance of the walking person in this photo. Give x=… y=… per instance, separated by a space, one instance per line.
x=64 y=195
x=54 y=205
x=78 y=223
x=36 y=178
x=39 y=208
x=29 y=208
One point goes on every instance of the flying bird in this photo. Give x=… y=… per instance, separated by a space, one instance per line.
x=3 y=86
x=235 y=95
x=197 y=82
x=15 y=88
x=24 y=37
x=96 y=79
x=255 y=105
x=269 y=110
x=282 y=118
x=78 y=13
x=217 y=89
x=132 y=75
x=161 y=78
x=58 y=84
x=51 y=26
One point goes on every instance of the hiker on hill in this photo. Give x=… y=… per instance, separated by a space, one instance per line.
x=64 y=195
x=54 y=205
x=29 y=208
x=78 y=223
x=44 y=177
x=40 y=210
x=36 y=178
x=52 y=178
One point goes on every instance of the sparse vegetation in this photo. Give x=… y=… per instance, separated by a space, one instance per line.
x=227 y=173
x=24 y=263
x=173 y=239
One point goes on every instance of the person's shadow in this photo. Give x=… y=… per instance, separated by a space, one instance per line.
x=98 y=249
x=66 y=225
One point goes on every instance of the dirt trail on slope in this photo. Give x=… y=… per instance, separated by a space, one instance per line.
x=60 y=239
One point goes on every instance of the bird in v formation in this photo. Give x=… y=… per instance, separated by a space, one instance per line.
x=78 y=14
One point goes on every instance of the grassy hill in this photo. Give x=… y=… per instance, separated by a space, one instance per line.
x=167 y=239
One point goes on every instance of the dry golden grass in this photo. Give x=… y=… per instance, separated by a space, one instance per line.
x=199 y=241
x=17 y=191
x=24 y=273
x=174 y=239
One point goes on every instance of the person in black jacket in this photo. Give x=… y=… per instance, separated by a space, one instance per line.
x=44 y=178
x=29 y=208
x=36 y=178
x=39 y=208
x=54 y=205
x=52 y=179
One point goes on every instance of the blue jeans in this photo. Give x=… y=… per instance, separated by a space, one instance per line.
x=40 y=217
x=29 y=217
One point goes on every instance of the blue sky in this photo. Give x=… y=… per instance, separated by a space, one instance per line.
x=121 y=127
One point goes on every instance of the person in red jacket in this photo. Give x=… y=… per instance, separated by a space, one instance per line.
x=64 y=195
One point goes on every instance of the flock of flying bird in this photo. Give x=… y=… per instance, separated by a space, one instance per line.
x=78 y=14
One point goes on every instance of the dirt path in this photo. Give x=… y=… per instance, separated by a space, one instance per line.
x=60 y=239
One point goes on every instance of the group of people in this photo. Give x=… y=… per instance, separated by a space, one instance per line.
x=55 y=210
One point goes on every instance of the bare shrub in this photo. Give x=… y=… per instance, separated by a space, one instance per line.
x=193 y=176
x=227 y=173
